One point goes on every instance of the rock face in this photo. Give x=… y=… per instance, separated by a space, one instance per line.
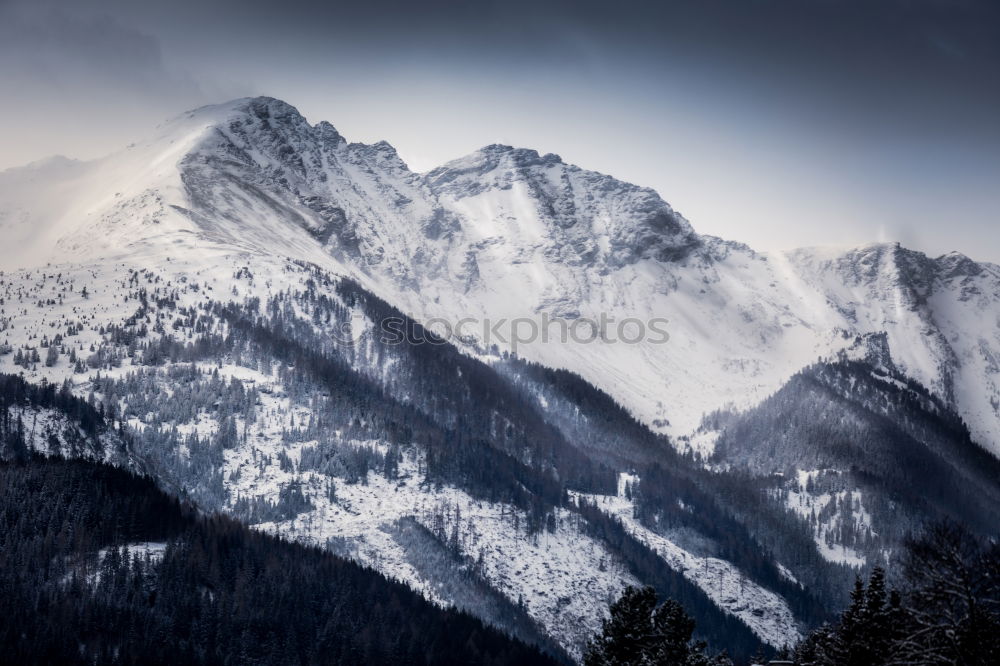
x=248 y=202
x=367 y=208
x=581 y=218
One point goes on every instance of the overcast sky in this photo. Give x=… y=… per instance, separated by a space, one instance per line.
x=779 y=123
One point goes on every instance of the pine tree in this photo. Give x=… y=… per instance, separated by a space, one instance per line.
x=863 y=637
x=672 y=631
x=638 y=633
x=51 y=356
x=850 y=634
x=625 y=635
x=875 y=647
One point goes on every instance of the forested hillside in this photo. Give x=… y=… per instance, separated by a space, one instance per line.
x=98 y=565
x=860 y=455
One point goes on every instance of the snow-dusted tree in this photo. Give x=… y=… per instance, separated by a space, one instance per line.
x=953 y=600
x=52 y=355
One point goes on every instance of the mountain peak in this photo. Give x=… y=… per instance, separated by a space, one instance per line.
x=267 y=113
x=264 y=107
x=518 y=156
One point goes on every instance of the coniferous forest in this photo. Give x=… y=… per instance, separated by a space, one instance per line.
x=97 y=565
x=945 y=610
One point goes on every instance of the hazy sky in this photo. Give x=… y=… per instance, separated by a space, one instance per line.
x=775 y=122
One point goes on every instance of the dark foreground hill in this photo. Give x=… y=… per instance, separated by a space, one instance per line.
x=72 y=591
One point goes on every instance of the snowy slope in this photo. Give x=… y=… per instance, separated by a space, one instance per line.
x=765 y=612
x=562 y=579
x=941 y=317
x=507 y=233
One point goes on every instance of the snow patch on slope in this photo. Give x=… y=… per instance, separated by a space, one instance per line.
x=765 y=612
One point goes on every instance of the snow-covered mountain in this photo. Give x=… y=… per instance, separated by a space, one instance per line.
x=247 y=203
x=506 y=233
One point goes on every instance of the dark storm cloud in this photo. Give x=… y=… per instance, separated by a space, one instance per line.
x=869 y=65
x=48 y=49
x=899 y=60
